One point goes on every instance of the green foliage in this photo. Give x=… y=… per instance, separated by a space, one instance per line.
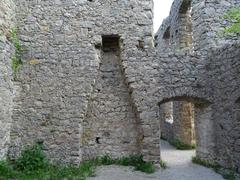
x=14 y=39
x=32 y=159
x=16 y=60
x=16 y=63
x=209 y=164
x=138 y=163
x=6 y=170
x=106 y=160
x=146 y=167
x=33 y=164
x=133 y=160
x=233 y=17
x=163 y=164
x=178 y=144
x=227 y=174
x=181 y=146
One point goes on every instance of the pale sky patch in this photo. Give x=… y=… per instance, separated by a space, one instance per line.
x=161 y=11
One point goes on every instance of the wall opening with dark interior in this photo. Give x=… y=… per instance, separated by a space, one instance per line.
x=191 y=124
x=110 y=43
x=166 y=37
x=185 y=32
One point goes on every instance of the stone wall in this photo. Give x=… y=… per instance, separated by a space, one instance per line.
x=184 y=122
x=60 y=71
x=204 y=22
x=206 y=76
x=6 y=85
x=175 y=33
x=166 y=121
x=225 y=65
x=80 y=101
x=111 y=126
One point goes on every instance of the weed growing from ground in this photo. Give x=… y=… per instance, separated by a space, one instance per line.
x=163 y=164
x=227 y=174
x=181 y=146
x=133 y=160
x=33 y=164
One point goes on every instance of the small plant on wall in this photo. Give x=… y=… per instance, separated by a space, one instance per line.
x=232 y=17
x=16 y=59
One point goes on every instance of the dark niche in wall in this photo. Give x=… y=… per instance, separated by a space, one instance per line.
x=186 y=5
x=166 y=34
x=110 y=42
x=185 y=32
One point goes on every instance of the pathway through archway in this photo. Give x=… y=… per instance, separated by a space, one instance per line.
x=179 y=164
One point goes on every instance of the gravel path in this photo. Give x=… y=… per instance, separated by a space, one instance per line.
x=179 y=164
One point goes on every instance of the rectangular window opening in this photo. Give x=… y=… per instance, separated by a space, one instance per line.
x=110 y=42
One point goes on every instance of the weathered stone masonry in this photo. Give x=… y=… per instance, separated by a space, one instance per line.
x=6 y=85
x=213 y=55
x=81 y=101
x=111 y=126
x=60 y=71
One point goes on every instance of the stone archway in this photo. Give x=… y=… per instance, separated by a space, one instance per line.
x=196 y=124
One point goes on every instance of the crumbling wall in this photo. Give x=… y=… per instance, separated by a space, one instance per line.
x=184 y=122
x=166 y=121
x=61 y=74
x=60 y=70
x=208 y=23
x=175 y=33
x=224 y=63
x=6 y=86
x=111 y=125
x=207 y=73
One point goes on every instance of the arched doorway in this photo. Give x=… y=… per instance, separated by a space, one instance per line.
x=186 y=122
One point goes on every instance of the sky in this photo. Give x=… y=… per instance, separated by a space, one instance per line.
x=161 y=11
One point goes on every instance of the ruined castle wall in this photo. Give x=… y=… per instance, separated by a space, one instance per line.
x=224 y=64
x=208 y=23
x=166 y=121
x=6 y=85
x=142 y=76
x=212 y=75
x=184 y=118
x=111 y=125
x=204 y=20
x=60 y=72
x=175 y=33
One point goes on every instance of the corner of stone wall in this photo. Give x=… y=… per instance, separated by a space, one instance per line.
x=7 y=91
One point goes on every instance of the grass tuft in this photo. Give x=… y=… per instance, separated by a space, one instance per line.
x=133 y=160
x=227 y=174
x=33 y=164
x=181 y=146
x=163 y=164
x=32 y=159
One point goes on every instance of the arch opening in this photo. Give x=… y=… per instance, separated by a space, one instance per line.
x=185 y=32
x=191 y=126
